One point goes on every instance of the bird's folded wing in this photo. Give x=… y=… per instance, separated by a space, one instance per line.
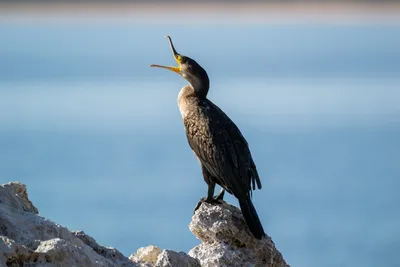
x=224 y=157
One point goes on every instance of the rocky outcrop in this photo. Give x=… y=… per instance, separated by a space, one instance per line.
x=153 y=256
x=227 y=241
x=27 y=239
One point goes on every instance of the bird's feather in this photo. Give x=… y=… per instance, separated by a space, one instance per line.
x=221 y=148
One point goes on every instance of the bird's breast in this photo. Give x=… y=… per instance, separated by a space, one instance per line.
x=183 y=103
x=183 y=107
x=188 y=104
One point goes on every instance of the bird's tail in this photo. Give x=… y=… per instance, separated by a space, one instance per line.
x=251 y=217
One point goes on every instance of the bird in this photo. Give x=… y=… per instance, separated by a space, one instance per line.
x=217 y=142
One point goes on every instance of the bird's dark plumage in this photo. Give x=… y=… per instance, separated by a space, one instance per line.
x=224 y=154
x=219 y=145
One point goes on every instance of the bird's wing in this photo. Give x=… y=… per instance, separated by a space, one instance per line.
x=248 y=168
x=222 y=149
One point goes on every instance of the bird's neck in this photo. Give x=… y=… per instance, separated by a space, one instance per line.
x=198 y=86
x=186 y=93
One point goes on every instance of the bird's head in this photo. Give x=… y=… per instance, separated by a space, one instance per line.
x=189 y=69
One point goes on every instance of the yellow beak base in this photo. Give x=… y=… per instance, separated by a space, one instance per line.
x=171 y=68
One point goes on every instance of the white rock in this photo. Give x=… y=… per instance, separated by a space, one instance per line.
x=107 y=252
x=60 y=252
x=170 y=258
x=227 y=240
x=27 y=239
x=146 y=256
x=31 y=240
x=153 y=256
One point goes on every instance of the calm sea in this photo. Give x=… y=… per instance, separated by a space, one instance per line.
x=97 y=136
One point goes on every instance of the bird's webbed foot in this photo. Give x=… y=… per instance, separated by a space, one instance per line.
x=213 y=200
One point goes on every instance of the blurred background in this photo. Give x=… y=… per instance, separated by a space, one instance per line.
x=314 y=86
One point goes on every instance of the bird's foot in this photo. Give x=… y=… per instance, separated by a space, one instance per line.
x=215 y=200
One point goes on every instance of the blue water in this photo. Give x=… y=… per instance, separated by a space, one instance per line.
x=97 y=136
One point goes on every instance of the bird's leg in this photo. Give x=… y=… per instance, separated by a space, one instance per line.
x=209 y=198
x=210 y=193
x=220 y=195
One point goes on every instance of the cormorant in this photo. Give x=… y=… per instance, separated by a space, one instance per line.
x=220 y=147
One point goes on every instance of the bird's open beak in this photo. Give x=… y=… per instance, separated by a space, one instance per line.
x=176 y=56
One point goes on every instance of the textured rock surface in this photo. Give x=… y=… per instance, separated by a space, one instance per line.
x=153 y=256
x=227 y=241
x=146 y=256
x=27 y=239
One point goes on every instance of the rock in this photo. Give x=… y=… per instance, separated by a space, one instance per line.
x=146 y=256
x=61 y=252
x=170 y=258
x=15 y=196
x=107 y=252
x=27 y=239
x=227 y=241
x=12 y=253
x=153 y=256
